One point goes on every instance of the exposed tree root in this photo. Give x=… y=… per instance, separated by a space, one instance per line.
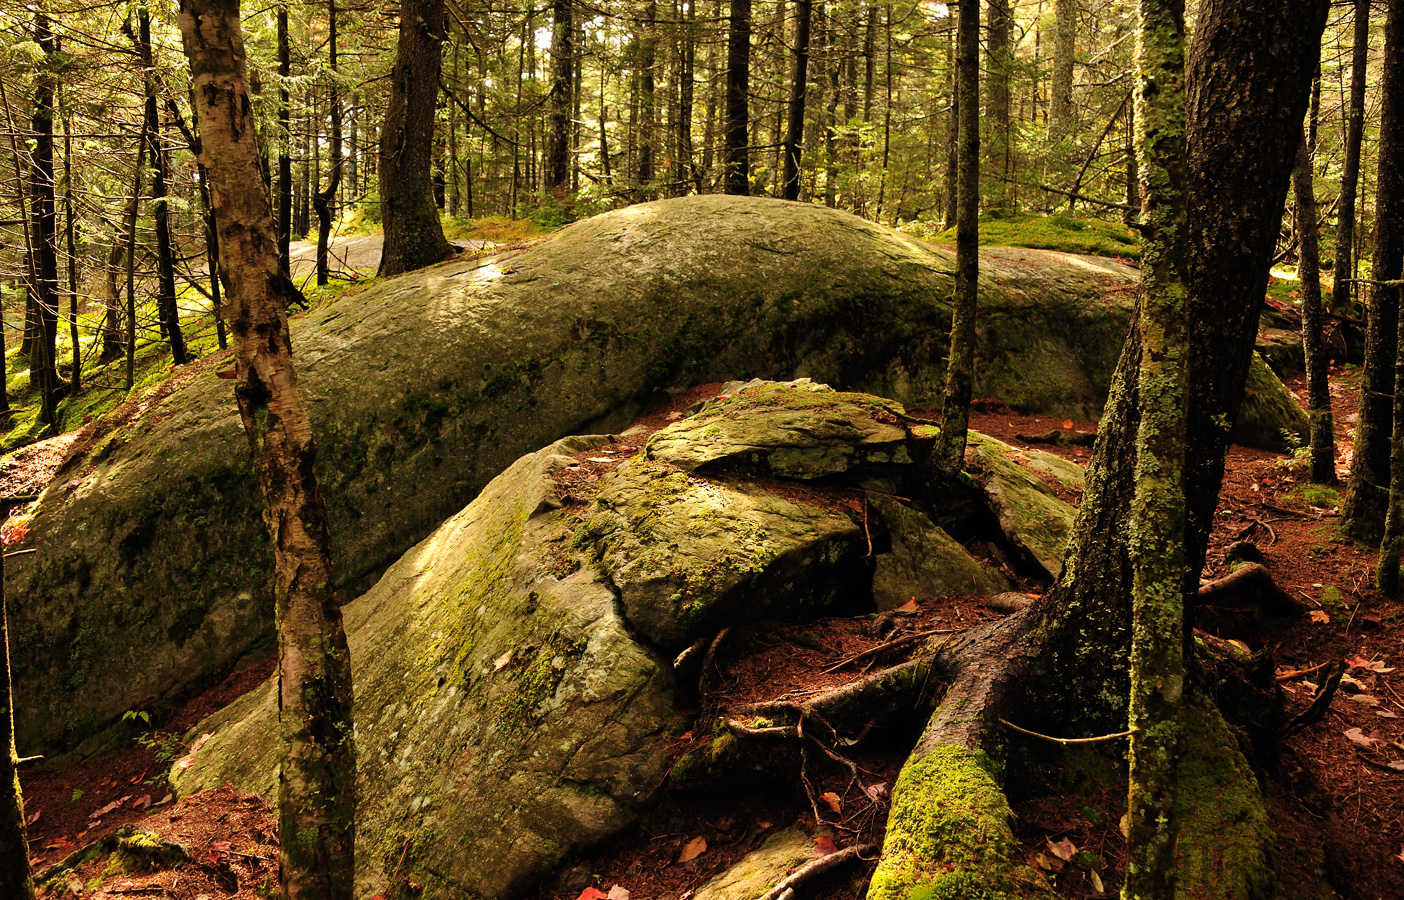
x=1320 y=703
x=820 y=866
x=1249 y=586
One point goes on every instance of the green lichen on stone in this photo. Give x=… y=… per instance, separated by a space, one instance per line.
x=1030 y=514
x=1270 y=418
x=949 y=832
x=924 y=560
x=759 y=871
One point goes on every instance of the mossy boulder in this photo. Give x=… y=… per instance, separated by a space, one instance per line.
x=1030 y=513
x=802 y=431
x=504 y=715
x=689 y=556
x=925 y=561
x=154 y=575
x=753 y=877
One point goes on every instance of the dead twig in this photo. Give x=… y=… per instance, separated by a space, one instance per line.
x=1319 y=705
x=890 y=645
x=1301 y=673
x=1065 y=741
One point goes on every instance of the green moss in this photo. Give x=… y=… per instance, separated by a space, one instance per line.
x=1225 y=845
x=948 y=835
x=537 y=681
x=1071 y=234
x=142 y=851
x=1319 y=495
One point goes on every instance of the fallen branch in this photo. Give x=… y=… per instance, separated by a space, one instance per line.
x=1243 y=586
x=820 y=866
x=1322 y=702
x=890 y=645
x=1079 y=438
x=1301 y=673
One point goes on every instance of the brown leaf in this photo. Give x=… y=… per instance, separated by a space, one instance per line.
x=201 y=741
x=693 y=849
x=910 y=605
x=835 y=802
x=824 y=845
x=1064 y=849
x=617 y=893
x=1356 y=736
x=1320 y=617
x=1096 y=880
x=32 y=819
x=503 y=660
x=105 y=810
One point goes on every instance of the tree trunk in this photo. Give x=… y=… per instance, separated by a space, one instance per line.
x=323 y=199
x=948 y=456
x=316 y=802
x=948 y=218
x=43 y=221
x=1367 y=494
x=648 y=106
x=1157 y=532
x=1386 y=265
x=1248 y=80
x=1001 y=59
x=687 y=100
x=1343 y=290
x=166 y=310
x=16 y=881
x=735 y=158
x=1323 y=438
x=1060 y=108
x=562 y=81
x=799 y=89
x=75 y=380
x=414 y=238
x=285 y=185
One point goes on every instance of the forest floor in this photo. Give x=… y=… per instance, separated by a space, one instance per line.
x=1337 y=797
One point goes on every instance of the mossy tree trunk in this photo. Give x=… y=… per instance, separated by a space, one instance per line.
x=557 y=164
x=1389 y=247
x=1060 y=108
x=999 y=65
x=1368 y=489
x=16 y=880
x=1248 y=84
x=948 y=457
x=799 y=91
x=414 y=237
x=1323 y=437
x=41 y=320
x=1158 y=511
x=316 y=802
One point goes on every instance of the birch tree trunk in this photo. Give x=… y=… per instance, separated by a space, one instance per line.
x=316 y=796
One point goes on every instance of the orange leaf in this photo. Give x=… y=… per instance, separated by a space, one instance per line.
x=691 y=850
x=1067 y=423
x=834 y=801
x=1320 y=616
x=591 y=894
x=824 y=845
x=909 y=605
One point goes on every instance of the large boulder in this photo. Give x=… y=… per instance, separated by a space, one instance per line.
x=154 y=568
x=504 y=715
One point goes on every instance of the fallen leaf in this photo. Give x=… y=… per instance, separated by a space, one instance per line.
x=1363 y=699
x=910 y=605
x=1385 y=714
x=1396 y=764
x=1370 y=665
x=32 y=819
x=138 y=778
x=142 y=802
x=824 y=845
x=1048 y=863
x=185 y=762
x=835 y=802
x=218 y=849
x=200 y=742
x=1320 y=616
x=1064 y=849
x=877 y=791
x=1096 y=880
x=1068 y=423
x=674 y=416
x=503 y=660
x=105 y=810
x=617 y=893
x=591 y=894
x=691 y=850
x=164 y=800
x=1125 y=825
x=1356 y=736
x=1240 y=645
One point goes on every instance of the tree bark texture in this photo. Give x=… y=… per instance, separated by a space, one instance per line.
x=648 y=104
x=1323 y=437
x=948 y=456
x=75 y=378
x=41 y=332
x=1248 y=82
x=16 y=880
x=316 y=802
x=414 y=237
x=1386 y=265
x=999 y=66
x=562 y=80
x=323 y=199
x=1367 y=493
x=166 y=310
x=1157 y=531
x=1060 y=108
x=285 y=184
x=1343 y=291
x=735 y=157
x=799 y=91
